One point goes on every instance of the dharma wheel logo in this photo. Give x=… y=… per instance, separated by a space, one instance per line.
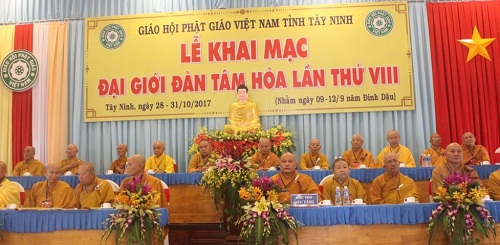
x=112 y=36
x=379 y=23
x=19 y=70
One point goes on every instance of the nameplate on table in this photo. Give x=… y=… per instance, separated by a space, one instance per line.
x=303 y=200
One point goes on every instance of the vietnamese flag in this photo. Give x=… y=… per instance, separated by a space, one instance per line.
x=466 y=93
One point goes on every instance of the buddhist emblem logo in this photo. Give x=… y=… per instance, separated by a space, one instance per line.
x=112 y=36
x=19 y=70
x=379 y=23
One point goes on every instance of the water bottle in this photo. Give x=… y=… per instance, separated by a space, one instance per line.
x=429 y=161
x=346 y=199
x=338 y=197
x=422 y=160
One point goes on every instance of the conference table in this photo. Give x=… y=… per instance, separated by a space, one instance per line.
x=362 y=175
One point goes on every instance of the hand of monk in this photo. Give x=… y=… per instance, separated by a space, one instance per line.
x=118 y=170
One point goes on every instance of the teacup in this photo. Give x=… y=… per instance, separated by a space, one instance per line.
x=68 y=173
x=11 y=206
x=150 y=171
x=487 y=198
x=402 y=165
x=27 y=174
x=357 y=201
x=485 y=163
x=272 y=169
x=106 y=205
x=362 y=166
x=317 y=168
x=409 y=199
x=109 y=172
x=326 y=202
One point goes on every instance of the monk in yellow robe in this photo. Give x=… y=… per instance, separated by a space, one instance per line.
x=136 y=165
x=404 y=154
x=341 y=179
x=118 y=165
x=159 y=162
x=392 y=187
x=202 y=159
x=313 y=158
x=29 y=165
x=9 y=193
x=453 y=154
x=50 y=193
x=473 y=154
x=243 y=114
x=357 y=155
x=494 y=185
x=435 y=151
x=292 y=181
x=264 y=158
x=92 y=191
x=72 y=162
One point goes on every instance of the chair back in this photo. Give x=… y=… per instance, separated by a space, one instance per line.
x=166 y=190
x=22 y=193
x=322 y=182
x=114 y=186
x=176 y=168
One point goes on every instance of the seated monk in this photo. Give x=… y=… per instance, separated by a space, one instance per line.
x=473 y=154
x=92 y=191
x=340 y=179
x=50 y=193
x=203 y=159
x=9 y=194
x=291 y=180
x=435 y=151
x=243 y=115
x=264 y=158
x=29 y=165
x=357 y=155
x=313 y=158
x=404 y=154
x=494 y=185
x=392 y=187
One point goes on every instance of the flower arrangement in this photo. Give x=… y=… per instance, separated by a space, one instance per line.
x=265 y=218
x=224 y=180
x=461 y=210
x=246 y=141
x=137 y=221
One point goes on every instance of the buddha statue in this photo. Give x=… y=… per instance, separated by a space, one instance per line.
x=243 y=115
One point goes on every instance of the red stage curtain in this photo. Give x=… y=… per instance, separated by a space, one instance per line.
x=466 y=93
x=21 y=101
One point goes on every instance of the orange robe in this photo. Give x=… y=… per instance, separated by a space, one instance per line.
x=265 y=162
x=60 y=194
x=437 y=156
x=442 y=171
x=120 y=163
x=307 y=161
x=356 y=190
x=362 y=156
x=197 y=161
x=479 y=154
x=34 y=167
x=387 y=189
x=494 y=185
x=297 y=184
x=155 y=185
x=69 y=161
x=99 y=192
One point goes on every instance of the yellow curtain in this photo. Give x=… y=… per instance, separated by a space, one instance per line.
x=6 y=46
x=57 y=111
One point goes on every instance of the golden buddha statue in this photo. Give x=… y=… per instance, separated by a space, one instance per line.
x=243 y=115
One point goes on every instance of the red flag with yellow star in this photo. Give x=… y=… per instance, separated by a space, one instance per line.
x=465 y=53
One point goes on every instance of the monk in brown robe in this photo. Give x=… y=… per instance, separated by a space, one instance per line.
x=50 y=193
x=357 y=155
x=435 y=151
x=313 y=158
x=118 y=165
x=29 y=165
x=264 y=158
x=71 y=163
x=92 y=191
x=202 y=159
x=473 y=154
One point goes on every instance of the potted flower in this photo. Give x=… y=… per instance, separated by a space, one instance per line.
x=137 y=221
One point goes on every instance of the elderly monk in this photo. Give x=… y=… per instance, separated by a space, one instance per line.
x=202 y=159
x=341 y=179
x=494 y=185
x=50 y=193
x=313 y=158
x=118 y=165
x=435 y=151
x=264 y=158
x=357 y=155
x=243 y=114
x=453 y=163
x=72 y=162
x=392 y=187
x=9 y=193
x=291 y=180
x=159 y=162
x=135 y=169
x=404 y=154
x=29 y=165
x=92 y=191
x=473 y=154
